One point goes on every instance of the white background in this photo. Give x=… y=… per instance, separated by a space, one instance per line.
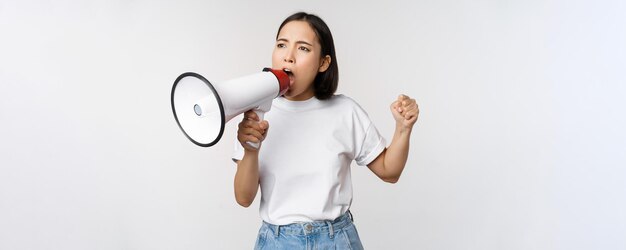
x=520 y=142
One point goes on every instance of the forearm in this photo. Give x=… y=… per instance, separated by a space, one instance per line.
x=397 y=153
x=247 y=178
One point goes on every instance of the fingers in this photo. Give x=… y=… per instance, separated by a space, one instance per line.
x=250 y=115
x=256 y=129
x=395 y=105
x=403 y=103
x=251 y=130
x=406 y=106
x=264 y=125
x=410 y=114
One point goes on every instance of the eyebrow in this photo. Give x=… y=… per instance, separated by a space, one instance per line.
x=286 y=40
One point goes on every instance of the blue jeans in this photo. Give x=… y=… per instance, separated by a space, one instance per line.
x=337 y=234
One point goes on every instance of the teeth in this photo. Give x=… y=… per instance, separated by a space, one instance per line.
x=287 y=70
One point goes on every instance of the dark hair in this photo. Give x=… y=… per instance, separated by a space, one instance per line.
x=325 y=83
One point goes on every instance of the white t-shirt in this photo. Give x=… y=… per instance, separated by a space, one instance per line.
x=304 y=161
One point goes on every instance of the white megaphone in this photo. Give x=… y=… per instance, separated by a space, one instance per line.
x=201 y=109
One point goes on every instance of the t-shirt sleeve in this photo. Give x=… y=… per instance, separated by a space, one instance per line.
x=371 y=146
x=237 y=152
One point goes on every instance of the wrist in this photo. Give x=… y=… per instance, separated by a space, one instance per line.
x=402 y=129
x=251 y=152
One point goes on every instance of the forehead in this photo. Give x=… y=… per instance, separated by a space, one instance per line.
x=298 y=31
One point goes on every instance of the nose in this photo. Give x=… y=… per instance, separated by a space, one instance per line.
x=289 y=57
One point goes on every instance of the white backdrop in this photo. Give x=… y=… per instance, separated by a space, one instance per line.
x=520 y=142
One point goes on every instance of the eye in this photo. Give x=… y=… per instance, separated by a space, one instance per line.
x=280 y=45
x=304 y=49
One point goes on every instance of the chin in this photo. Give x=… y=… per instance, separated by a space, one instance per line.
x=289 y=93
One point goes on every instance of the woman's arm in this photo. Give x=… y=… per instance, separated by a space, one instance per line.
x=247 y=175
x=389 y=164
x=247 y=179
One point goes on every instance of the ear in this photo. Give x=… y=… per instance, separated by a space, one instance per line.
x=325 y=64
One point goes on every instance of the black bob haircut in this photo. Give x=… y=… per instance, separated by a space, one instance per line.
x=325 y=83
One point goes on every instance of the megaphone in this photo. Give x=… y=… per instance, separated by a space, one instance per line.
x=202 y=109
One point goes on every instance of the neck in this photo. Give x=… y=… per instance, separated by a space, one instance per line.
x=302 y=96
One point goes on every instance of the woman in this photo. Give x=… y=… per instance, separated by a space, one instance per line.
x=303 y=165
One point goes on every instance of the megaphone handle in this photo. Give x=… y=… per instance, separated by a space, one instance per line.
x=260 y=114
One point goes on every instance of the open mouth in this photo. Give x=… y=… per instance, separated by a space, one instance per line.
x=291 y=76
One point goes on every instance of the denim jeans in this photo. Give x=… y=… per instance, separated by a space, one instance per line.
x=337 y=234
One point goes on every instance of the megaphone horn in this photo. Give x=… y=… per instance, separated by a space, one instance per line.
x=202 y=109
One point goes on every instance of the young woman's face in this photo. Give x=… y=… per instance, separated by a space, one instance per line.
x=298 y=52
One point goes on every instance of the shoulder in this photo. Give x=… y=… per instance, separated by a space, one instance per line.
x=343 y=101
x=344 y=104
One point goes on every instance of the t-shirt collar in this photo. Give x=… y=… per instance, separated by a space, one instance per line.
x=284 y=103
